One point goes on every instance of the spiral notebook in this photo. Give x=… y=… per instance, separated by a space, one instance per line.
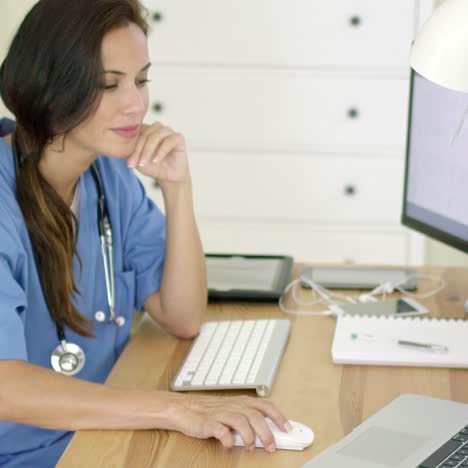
x=372 y=340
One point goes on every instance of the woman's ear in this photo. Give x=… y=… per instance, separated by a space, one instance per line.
x=57 y=143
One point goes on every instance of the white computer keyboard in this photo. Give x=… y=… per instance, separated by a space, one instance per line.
x=234 y=354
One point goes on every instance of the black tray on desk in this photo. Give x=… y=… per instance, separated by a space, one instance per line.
x=245 y=277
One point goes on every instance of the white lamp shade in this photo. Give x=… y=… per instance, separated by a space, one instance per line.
x=440 y=50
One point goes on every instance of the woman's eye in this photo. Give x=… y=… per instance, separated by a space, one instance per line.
x=142 y=82
x=107 y=87
x=111 y=86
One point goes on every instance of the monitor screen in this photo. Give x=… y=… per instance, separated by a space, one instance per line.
x=436 y=173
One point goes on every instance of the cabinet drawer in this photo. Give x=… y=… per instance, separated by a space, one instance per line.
x=329 y=189
x=306 y=243
x=371 y=33
x=281 y=111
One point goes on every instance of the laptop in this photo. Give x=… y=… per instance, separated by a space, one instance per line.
x=412 y=431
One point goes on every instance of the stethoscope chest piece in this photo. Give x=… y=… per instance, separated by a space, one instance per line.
x=67 y=358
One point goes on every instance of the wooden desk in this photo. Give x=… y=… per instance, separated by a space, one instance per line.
x=309 y=388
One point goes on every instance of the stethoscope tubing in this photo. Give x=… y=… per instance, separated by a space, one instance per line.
x=69 y=358
x=105 y=235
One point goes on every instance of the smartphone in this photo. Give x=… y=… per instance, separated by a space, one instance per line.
x=400 y=307
x=359 y=278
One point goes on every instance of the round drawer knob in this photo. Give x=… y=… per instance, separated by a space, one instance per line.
x=355 y=21
x=353 y=113
x=157 y=16
x=350 y=190
x=158 y=107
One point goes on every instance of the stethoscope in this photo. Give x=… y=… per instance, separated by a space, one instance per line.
x=69 y=358
x=105 y=234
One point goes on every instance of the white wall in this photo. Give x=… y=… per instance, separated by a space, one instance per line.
x=3 y=41
x=12 y=13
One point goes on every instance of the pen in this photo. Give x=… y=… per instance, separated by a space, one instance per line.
x=424 y=346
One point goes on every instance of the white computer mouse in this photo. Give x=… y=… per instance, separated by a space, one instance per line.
x=299 y=438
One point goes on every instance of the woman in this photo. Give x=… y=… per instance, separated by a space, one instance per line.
x=75 y=80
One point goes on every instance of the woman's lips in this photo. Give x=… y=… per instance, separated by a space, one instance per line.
x=127 y=132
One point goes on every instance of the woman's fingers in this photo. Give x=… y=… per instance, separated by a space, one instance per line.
x=223 y=434
x=249 y=425
x=271 y=411
x=133 y=160
x=204 y=427
x=160 y=153
x=213 y=428
x=151 y=145
x=260 y=426
x=168 y=144
x=239 y=423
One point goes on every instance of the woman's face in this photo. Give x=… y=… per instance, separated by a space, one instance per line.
x=114 y=127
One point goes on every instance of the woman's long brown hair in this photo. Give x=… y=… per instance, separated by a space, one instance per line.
x=50 y=81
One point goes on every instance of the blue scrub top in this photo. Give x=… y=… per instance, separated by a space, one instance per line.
x=27 y=331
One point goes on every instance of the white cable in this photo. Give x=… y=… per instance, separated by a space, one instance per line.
x=292 y=285
x=326 y=296
x=388 y=288
x=439 y=288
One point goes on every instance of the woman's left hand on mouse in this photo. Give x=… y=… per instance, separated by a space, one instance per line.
x=160 y=153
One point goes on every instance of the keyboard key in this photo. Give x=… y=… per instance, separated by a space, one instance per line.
x=441 y=454
x=210 y=354
x=261 y=353
x=450 y=463
x=236 y=355
x=225 y=350
x=186 y=373
x=249 y=352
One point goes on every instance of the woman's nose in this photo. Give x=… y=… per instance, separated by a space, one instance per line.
x=134 y=101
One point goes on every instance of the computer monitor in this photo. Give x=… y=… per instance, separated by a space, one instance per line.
x=435 y=198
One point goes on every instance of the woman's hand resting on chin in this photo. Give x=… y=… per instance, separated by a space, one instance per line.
x=161 y=153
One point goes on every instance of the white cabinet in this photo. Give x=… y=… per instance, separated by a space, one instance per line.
x=295 y=115
x=286 y=110
x=322 y=33
x=323 y=188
